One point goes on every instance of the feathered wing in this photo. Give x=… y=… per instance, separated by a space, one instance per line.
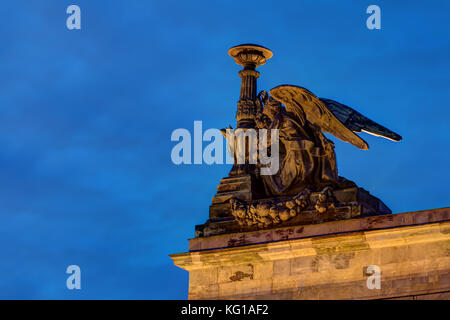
x=298 y=100
x=356 y=122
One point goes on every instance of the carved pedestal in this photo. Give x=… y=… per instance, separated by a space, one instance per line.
x=346 y=203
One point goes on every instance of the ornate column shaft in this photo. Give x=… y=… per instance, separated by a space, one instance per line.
x=248 y=84
x=248 y=56
x=247 y=108
x=241 y=182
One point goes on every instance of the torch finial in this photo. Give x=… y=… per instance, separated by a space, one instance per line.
x=250 y=56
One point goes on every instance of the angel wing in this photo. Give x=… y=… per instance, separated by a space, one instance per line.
x=298 y=100
x=356 y=122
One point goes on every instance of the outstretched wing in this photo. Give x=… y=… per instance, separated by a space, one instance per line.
x=298 y=100
x=356 y=122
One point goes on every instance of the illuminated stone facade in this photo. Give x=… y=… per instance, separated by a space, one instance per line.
x=326 y=261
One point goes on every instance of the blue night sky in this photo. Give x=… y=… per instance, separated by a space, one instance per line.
x=86 y=117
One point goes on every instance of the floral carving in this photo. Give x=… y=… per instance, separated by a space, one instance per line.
x=325 y=201
x=270 y=212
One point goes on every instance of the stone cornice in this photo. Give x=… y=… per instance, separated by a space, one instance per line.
x=336 y=243
x=315 y=230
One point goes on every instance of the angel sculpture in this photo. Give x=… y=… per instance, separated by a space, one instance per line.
x=307 y=156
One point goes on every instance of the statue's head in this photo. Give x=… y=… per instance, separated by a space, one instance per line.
x=268 y=109
x=272 y=107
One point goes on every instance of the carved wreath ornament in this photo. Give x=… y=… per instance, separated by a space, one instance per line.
x=272 y=212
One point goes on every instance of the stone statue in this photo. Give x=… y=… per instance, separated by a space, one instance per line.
x=306 y=188
x=308 y=159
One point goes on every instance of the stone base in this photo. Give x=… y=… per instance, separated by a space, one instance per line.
x=350 y=203
x=243 y=187
x=331 y=260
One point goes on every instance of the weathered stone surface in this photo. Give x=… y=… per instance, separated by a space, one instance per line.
x=326 y=261
x=348 y=203
x=314 y=230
